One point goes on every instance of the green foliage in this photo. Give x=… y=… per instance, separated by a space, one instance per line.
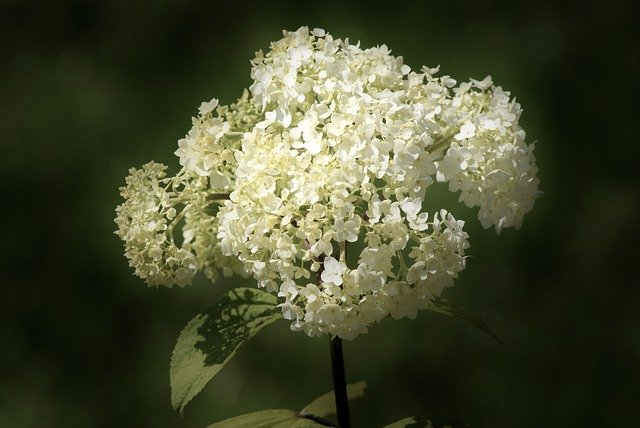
x=426 y=422
x=445 y=307
x=212 y=338
x=325 y=405
x=276 y=418
x=321 y=412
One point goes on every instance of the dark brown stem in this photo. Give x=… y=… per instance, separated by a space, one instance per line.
x=339 y=383
x=443 y=142
x=318 y=419
x=219 y=197
x=337 y=366
x=337 y=359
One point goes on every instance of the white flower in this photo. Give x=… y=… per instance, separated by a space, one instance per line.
x=377 y=258
x=145 y=226
x=456 y=160
x=467 y=130
x=146 y=221
x=332 y=143
x=207 y=107
x=333 y=270
x=208 y=149
x=353 y=138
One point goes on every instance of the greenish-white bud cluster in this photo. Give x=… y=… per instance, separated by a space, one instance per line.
x=169 y=224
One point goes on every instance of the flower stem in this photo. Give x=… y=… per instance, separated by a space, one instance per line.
x=219 y=196
x=339 y=383
x=443 y=142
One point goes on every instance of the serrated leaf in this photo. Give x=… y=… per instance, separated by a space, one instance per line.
x=325 y=405
x=212 y=338
x=277 y=418
x=443 y=306
x=427 y=422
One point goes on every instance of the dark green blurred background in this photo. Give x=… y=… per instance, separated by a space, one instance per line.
x=89 y=89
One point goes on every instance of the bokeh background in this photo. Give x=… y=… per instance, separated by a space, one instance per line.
x=88 y=89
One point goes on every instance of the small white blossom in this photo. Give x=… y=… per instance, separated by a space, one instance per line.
x=207 y=107
x=333 y=270
x=467 y=130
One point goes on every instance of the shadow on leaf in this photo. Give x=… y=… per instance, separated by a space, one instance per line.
x=212 y=338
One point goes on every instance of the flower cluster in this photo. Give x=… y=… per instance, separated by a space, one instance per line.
x=156 y=206
x=326 y=163
x=208 y=149
x=488 y=160
x=145 y=222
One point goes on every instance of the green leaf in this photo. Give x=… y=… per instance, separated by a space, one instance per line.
x=445 y=307
x=325 y=405
x=427 y=422
x=280 y=418
x=320 y=412
x=212 y=338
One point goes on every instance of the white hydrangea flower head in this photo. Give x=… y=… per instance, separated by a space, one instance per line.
x=351 y=140
x=324 y=165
